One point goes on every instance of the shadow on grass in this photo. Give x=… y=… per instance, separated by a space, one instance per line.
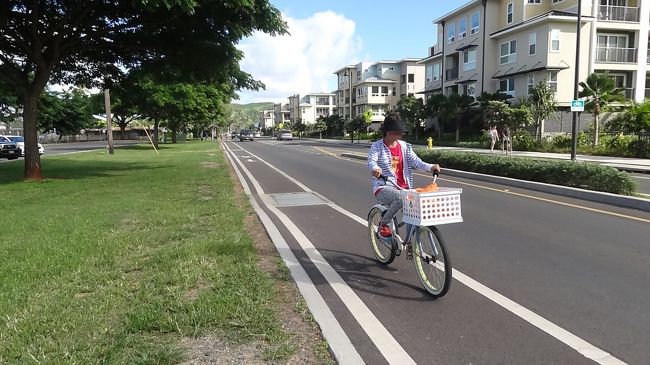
x=54 y=169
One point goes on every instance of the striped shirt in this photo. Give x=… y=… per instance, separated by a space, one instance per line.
x=379 y=157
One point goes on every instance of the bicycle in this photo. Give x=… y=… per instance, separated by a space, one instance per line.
x=423 y=241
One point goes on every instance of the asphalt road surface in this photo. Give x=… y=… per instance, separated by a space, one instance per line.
x=538 y=278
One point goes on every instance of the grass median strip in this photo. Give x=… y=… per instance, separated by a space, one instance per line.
x=121 y=259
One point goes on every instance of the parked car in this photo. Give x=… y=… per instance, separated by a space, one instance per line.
x=258 y=134
x=246 y=134
x=234 y=135
x=285 y=134
x=9 y=149
x=20 y=142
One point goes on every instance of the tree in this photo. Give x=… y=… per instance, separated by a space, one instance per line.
x=334 y=124
x=459 y=108
x=94 y=41
x=412 y=111
x=68 y=113
x=600 y=91
x=320 y=126
x=433 y=109
x=542 y=105
x=635 y=119
x=356 y=125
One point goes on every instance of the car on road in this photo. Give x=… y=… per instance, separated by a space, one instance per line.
x=246 y=134
x=258 y=134
x=285 y=134
x=20 y=142
x=9 y=149
x=234 y=135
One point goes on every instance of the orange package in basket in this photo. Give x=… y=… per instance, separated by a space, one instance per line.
x=433 y=187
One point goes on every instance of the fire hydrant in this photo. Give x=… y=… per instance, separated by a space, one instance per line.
x=429 y=143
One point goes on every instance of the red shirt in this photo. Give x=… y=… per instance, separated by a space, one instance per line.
x=397 y=165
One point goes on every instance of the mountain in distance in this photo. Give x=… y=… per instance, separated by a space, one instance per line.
x=247 y=115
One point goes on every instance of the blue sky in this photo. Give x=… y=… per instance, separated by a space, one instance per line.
x=327 y=35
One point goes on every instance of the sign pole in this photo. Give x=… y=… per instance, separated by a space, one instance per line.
x=574 y=125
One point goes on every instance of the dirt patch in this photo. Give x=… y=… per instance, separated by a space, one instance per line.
x=289 y=306
x=210 y=164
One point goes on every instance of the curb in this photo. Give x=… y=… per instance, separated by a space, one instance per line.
x=590 y=195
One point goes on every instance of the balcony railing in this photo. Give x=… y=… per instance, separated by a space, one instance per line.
x=618 y=13
x=615 y=55
x=451 y=74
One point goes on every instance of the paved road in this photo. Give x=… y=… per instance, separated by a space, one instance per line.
x=54 y=149
x=580 y=269
x=644 y=183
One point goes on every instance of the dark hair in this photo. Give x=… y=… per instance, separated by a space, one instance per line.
x=392 y=122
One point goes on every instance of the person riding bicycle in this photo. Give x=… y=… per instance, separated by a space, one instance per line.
x=395 y=159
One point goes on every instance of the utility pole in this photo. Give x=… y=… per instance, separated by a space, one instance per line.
x=574 y=125
x=109 y=126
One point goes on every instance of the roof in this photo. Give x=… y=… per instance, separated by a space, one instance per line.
x=432 y=57
x=525 y=70
x=553 y=14
x=375 y=79
x=344 y=68
x=457 y=10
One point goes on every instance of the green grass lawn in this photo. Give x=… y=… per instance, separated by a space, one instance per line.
x=116 y=259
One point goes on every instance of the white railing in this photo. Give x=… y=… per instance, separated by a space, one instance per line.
x=618 y=13
x=615 y=55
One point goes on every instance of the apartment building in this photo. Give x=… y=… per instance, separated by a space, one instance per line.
x=311 y=106
x=509 y=45
x=281 y=113
x=267 y=119
x=377 y=86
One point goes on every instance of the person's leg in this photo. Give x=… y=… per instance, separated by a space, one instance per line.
x=389 y=196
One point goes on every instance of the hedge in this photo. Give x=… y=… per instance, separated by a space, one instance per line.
x=582 y=175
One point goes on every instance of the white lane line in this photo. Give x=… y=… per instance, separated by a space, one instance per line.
x=581 y=346
x=338 y=340
x=392 y=351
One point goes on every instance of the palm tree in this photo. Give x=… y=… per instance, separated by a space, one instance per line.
x=459 y=109
x=542 y=105
x=432 y=109
x=600 y=91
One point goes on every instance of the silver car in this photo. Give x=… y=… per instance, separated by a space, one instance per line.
x=285 y=134
x=20 y=142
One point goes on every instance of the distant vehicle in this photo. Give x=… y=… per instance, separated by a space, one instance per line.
x=246 y=134
x=9 y=149
x=234 y=135
x=20 y=142
x=258 y=134
x=285 y=134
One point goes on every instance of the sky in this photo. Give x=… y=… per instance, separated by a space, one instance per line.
x=326 y=35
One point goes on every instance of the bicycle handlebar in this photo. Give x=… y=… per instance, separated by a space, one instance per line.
x=385 y=178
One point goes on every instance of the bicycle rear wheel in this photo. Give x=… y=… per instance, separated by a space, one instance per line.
x=432 y=263
x=384 y=253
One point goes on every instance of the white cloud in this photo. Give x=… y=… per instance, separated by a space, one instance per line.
x=303 y=61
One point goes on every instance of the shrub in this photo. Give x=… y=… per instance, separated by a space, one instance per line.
x=561 y=141
x=582 y=175
x=523 y=141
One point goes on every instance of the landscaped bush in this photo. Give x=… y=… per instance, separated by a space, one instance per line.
x=524 y=141
x=582 y=175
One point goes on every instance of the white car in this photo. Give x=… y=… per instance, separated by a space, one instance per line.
x=20 y=142
x=258 y=134
x=285 y=134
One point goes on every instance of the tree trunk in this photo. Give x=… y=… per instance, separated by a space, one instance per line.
x=596 y=130
x=122 y=128
x=173 y=136
x=457 y=130
x=30 y=118
x=156 y=125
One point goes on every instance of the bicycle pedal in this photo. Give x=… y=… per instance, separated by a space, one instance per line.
x=409 y=252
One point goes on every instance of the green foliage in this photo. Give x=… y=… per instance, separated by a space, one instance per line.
x=524 y=141
x=240 y=115
x=635 y=119
x=567 y=173
x=412 y=112
x=334 y=124
x=68 y=113
x=600 y=91
x=542 y=104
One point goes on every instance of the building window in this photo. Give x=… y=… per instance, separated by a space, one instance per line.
x=509 y=52
x=532 y=44
x=470 y=89
x=507 y=86
x=451 y=32
x=411 y=77
x=375 y=90
x=475 y=23
x=393 y=90
x=462 y=28
x=402 y=79
x=436 y=71
x=384 y=90
x=552 y=81
x=509 y=9
x=557 y=1
x=555 y=40
x=534 y=1
x=429 y=73
x=531 y=83
x=469 y=60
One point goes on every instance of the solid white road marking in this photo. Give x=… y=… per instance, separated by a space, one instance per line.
x=338 y=340
x=392 y=351
x=581 y=346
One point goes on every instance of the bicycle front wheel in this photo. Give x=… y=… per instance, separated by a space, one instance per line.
x=383 y=252
x=432 y=263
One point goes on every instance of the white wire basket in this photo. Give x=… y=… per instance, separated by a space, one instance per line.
x=435 y=208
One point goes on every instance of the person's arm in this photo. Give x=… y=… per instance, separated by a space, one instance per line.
x=416 y=162
x=373 y=156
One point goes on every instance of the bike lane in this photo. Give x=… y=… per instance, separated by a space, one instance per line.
x=461 y=327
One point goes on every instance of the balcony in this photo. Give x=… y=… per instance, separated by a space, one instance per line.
x=618 y=13
x=451 y=74
x=615 y=55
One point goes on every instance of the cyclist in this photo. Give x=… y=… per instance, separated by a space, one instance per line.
x=395 y=159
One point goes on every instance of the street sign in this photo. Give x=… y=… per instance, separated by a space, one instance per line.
x=577 y=105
